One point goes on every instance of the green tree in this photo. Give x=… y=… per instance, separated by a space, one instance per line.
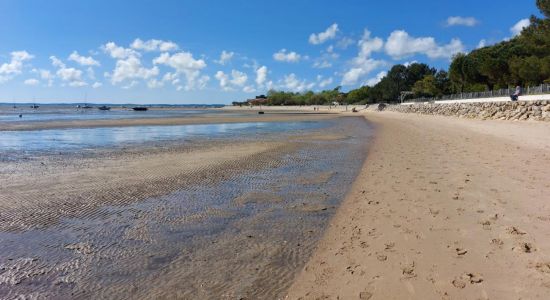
x=426 y=87
x=544 y=6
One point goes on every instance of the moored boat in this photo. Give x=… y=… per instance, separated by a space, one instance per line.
x=139 y=108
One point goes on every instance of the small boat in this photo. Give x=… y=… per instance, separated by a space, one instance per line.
x=35 y=106
x=104 y=107
x=86 y=106
x=139 y=108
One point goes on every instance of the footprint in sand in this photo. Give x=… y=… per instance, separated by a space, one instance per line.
x=461 y=251
x=365 y=295
x=466 y=278
x=515 y=231
x=543 y=267
x=524 y=248
x=408 y=271
x=497 y=242
x=486 y=224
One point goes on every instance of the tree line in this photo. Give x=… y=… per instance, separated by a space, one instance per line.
x=522 y=60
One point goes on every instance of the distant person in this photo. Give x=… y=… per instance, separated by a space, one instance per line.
x=516 y=94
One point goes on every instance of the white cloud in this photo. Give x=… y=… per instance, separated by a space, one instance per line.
x=118 y=52
x=31 y=81
x=184 y=63
x=225 y=57
x=44 y=75
x=322 y=64
x=229 y=83
x=345 y=42
x=83 y=60
x=71 y=76
x=363 y=64
x=154 y=45
x=97 y=85
x=377 y=79
x=131 y=68
x=400 y=45
x=482 y=43
x=239 y=78
x=292 y=83
x=462 y=21
x=224 y=80
x=15 y=66
x=328 y=34
x=285 y=56
x=324 y=82
x=519 y=26
x=154 y=83
x=130 y=85
x=261 y=75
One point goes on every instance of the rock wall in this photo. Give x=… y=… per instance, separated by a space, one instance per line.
x=520 y=110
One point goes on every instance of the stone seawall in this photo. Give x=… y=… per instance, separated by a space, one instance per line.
x=521 y=110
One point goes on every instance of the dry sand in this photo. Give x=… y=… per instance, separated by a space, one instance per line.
x=444 y=208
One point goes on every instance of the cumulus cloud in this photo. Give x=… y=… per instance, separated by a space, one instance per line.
x=239 y=78
x=326 y=59
x=184 y=63
x=462 y=21
x=261 y=75
x=373 y=81
x=131 y=68
x=31 y=81
x=154 y=83
x=118 y=52
x=363 y=64
x=83 y=60
x=70 y=76
x=292 y=83
x=482 y=43
x=324 y=82
x=519 y=26
x=229 y=82
x=285 y=56
x=328 y=34
x=97 y=85
x=15 y=65
x=225 y=57
x=154 y=45
x=345 y=42
x=44 y=75
x=400 y=45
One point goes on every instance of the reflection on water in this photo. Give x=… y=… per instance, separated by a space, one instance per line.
x=70 y=114
x=19 y=142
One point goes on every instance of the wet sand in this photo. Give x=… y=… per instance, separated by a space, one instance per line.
x=217 y=219
x=243 y=116
x=443 y=208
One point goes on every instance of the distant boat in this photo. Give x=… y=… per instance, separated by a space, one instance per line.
x=35 y=106
x=104 y=107
x=86 y=106
x=139 y=108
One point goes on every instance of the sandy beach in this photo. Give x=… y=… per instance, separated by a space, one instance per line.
x=444 y=208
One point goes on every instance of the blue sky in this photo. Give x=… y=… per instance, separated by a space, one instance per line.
x=171 y=51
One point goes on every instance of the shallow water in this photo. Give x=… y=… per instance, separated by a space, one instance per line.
x=70 y=113
x=18 y=143
x=243 y=236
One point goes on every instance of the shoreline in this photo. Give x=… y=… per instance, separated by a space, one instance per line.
x=444 y=208
x=248 y=117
